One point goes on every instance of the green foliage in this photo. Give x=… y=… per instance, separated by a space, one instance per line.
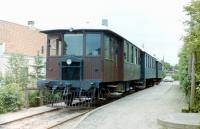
x=196 y=107
x=183 y=71
x=176 y=72
x=191 y=45
x=38 y=67
x=167 y=69
x=15 y=80
x=33 y=98
x=10 y=98
x=175 y=76
x=56 y=96
x=17 y=70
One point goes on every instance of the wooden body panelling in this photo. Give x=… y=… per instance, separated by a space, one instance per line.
x=150 y=73
x=113 y=69
x=53 y=68
x=131 y=71
x=158 y=70
x=92 y=68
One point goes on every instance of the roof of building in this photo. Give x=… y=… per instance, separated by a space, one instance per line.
x=32 y=28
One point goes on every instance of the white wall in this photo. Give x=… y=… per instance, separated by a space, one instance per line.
x=4 y=63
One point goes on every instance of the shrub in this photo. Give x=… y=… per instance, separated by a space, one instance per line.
x=33 y=101
x=11 y=98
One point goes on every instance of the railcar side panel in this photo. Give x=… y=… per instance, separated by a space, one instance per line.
x=110 y=71
x=131 y=71
x=150 y=73
x=158 y=70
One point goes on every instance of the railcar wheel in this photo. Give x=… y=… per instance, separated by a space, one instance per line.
x=69 y=99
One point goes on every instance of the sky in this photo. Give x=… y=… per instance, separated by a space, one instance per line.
x=155 y=24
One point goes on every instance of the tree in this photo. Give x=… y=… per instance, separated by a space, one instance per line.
x=38 y=68
x=17 y=70
x=191 y=46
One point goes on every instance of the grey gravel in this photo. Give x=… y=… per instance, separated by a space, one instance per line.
x=139 y=110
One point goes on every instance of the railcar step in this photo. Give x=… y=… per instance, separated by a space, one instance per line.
x=114 y=94
x=112 y=86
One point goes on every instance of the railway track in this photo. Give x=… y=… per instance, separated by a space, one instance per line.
x=57 y=118
x=45 y=120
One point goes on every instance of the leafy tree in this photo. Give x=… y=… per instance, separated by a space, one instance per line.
x=191 y=45
x=38 y=67
x=17 y=70
x=167 y=67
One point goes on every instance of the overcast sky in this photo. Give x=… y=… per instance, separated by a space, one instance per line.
x=158 y=24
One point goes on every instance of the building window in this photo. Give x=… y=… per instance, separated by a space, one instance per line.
x=93 y=44
x=42 y=50
x=73 y=44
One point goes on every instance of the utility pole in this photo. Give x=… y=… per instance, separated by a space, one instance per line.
x=192 y=95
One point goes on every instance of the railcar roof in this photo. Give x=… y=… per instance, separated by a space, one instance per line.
x=88 y=28
x=93 y=28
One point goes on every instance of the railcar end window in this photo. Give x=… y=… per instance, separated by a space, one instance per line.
x=55 y=47
x=73 y=44
x=93 y=44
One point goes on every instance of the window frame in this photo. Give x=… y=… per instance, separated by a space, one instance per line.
x=100 y=44
x=109 y=57
x=64 y=43
x=126 y=53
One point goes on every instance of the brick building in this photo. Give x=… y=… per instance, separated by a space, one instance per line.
x=20 y=39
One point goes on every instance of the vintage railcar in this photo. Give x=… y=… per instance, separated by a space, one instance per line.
x=85 y=59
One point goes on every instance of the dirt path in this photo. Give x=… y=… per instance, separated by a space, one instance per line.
x=139 y=110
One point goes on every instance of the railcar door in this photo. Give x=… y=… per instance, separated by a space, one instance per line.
x=112 y=59
x=119 y=61
x=92 y=60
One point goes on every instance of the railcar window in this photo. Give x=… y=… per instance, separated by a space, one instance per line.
x=114 y=47
x=138 y=57
x=132 y=54
x=55 y=47
x=73 y=44
x=153 y=63
x=107 y=52
x=145 y=60
x=93 y=44
x=136 y=52
x=126 y=51
x=150 y=62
